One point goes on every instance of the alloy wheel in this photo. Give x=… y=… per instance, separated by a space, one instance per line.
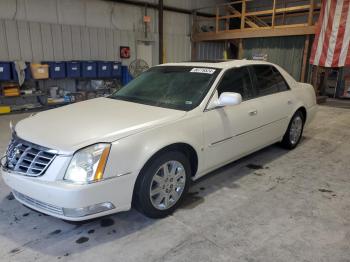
x=168 y=184
x=296 y=130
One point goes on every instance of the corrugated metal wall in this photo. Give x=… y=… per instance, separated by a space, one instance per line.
x=89 y=29
x=39 y=30
x=35 y=41
x=210 y=50
x=177 y=41
x=285 y=51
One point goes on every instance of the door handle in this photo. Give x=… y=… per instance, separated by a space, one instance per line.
x=290 y=102
x=253 y=112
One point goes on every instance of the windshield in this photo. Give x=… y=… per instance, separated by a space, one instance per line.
x=175 y=87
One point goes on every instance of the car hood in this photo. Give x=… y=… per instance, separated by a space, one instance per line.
x=74 y=126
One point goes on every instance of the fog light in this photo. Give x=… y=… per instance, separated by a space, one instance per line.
x=89 y=210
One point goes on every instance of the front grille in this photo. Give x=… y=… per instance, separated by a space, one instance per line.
x=27 y=158
x=38 y=204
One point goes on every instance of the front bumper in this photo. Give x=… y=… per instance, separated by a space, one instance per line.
x=61 y=199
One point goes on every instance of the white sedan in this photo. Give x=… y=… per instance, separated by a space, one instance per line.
x=143 y=145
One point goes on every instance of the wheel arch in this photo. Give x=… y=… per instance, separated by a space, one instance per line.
x=182 y=147
x=302 y=109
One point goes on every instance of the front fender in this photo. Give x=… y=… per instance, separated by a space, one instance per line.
x=130 y=154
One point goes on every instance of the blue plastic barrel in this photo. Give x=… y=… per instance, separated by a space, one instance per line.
x=126 y=77
x=116 y=69
x=5 y=71
x=73 y=69
x=104 y=69
x=88 y=69
x=57 y=70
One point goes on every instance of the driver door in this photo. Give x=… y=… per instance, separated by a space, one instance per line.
x=232 y=131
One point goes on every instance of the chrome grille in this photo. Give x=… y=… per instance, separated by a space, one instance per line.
x=38 y=204
x=28 y=159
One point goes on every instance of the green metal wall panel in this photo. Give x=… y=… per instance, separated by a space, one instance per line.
x=285 y=51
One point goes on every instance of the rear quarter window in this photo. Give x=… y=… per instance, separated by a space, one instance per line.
x=280 y=81
x=268 y=80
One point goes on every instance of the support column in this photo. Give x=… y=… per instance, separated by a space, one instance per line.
x=305 y=58
x=160 y=30
x=240 y=49
x=194 y=30
x=240 y=43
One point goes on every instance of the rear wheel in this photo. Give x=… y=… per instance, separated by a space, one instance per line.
x=294 y=132
x=162 y=185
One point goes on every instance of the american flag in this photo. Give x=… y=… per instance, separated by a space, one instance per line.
x=331 y=44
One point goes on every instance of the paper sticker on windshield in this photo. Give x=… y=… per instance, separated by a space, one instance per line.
x=209 y=71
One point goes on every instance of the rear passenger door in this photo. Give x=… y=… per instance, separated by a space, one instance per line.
x=274 y=95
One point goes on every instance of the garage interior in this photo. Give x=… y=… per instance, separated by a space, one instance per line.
x=274 y=205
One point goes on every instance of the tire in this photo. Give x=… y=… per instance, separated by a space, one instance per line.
x=158 y=193
x=294 y=131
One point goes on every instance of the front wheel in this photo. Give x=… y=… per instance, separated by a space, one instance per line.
x=162 y=185
x=294 y=132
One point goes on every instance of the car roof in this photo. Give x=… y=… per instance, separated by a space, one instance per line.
x=219 y=63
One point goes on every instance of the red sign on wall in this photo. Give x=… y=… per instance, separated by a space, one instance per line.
x=147 y=19
x=125 y=52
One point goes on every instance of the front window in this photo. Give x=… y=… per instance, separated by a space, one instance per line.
x=237 y=80
x=176 y=87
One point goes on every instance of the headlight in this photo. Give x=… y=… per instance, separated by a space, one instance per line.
x=88 y=164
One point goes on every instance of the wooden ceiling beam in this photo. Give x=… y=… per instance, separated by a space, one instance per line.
x=280 y=10
x=268 y=18
x=301 y=29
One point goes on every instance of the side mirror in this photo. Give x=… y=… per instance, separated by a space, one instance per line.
x=225 y=99
x=229 y=99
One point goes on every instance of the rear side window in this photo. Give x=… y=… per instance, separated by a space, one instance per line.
x=279 y=80
x=237 y=80
x=268 y=80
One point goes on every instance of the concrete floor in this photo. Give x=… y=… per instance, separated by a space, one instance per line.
x=275 y=205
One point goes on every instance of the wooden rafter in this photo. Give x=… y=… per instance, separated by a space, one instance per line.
x=280 y=10
x=217 y=19
x=301 y=29
x=273 y=14
x=268 y=18
x=243 y=16
x=311 y=12
x=259 y=21
x=254 y=23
